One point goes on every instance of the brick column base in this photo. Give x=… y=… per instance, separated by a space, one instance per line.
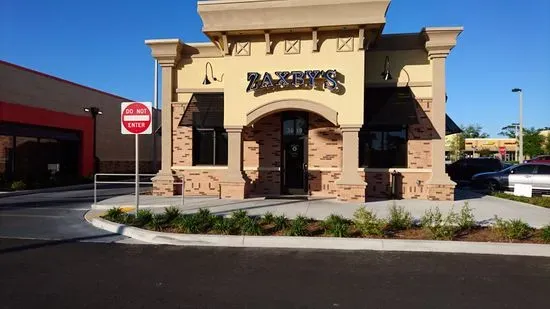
x=352 y=193
x=163 y=186
x=441 y=192
x=232 y=190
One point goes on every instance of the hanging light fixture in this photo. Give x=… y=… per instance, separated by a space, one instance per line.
x=386 y=75
x=207 y=81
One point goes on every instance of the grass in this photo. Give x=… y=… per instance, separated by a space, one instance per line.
x=535 y=200
x=513 y=229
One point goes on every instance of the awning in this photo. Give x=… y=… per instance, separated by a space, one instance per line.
x=17 y=129
x=450 y=126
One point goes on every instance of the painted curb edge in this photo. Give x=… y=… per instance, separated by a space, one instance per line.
x=322 y=242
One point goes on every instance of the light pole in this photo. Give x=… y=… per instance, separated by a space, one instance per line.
x=520 y=91
x=94 y=111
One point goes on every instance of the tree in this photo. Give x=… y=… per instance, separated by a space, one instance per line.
x=509 y=131
x=456 y=146
x=473 y=131
x=532 y=142
x=547 y=144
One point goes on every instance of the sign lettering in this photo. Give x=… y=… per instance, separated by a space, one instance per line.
x=286 y=79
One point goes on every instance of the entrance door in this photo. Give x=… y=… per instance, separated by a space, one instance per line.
x=294 y=153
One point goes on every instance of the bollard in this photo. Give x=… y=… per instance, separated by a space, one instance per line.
x=394 y=175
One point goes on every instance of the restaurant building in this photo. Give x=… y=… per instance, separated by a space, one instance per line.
x=304 y=98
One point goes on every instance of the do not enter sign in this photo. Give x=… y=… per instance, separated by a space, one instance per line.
x=136 y=118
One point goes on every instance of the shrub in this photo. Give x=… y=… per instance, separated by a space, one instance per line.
x=224 y=226
x=143 y=217
x=399 y=218
x=171 y=213
x=281 y=222
x=251 y=226
x=157 y=222
x=336 y=226
x=514 y=229
x=188 y=223
x=298 y=227
x=205 y=220
x=18 y=185
x=129 y=219
x=545 y=234
x=367 y=222
x=239 y=216
x=268 y=218
x=114 y=214
x=466 y=220
x=439 y=226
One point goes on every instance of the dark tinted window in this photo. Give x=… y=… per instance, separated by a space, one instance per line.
x=543 y=170
x=383 y=147
x=524 y=169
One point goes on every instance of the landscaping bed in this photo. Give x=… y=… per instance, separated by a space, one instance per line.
x=365 y=224
x=535 y=200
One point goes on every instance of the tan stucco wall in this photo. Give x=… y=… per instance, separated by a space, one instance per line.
x=20 y=86
x=348 y=102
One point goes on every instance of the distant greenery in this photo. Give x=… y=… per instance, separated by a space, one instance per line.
x=535 y=200
x=473 y=131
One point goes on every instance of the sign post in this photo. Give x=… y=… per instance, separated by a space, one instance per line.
x=136 y=118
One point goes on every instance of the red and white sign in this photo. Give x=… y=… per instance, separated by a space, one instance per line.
x=502 y=150
x=136 y=118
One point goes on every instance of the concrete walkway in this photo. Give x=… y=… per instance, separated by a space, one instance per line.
x=484 y=207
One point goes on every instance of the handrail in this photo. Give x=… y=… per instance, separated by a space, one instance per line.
x=182 y=182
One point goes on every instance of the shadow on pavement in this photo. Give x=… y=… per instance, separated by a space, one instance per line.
x=54 y=243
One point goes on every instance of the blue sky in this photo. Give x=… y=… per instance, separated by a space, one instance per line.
x=506 y=44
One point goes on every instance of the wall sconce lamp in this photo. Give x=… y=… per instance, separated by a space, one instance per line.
x=386 y=75
x=207 y=81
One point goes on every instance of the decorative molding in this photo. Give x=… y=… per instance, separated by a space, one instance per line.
x=199 y=90
x=361 y=39
x=242 y=48
x=344 y=44
x=292 y=47
x=267 y=43
x=262 y=168
x=314 y=41
x=324 y=169
x=225 y=44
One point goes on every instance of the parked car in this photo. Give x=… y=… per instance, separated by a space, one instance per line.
x=535 y=174
x=464 y=169
x=539 y=159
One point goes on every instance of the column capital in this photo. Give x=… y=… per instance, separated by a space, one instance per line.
x=166 y=51
x=350 y=127
x=234 y=129
x=440 y=40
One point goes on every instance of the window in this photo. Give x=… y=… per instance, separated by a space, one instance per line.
x=524 y=169
x=383 y=147
x=205 y=115
x=543 y=170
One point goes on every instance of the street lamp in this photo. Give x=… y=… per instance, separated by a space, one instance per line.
x=520 y=91
x=94 y=111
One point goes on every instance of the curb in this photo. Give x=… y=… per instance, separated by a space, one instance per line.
x=133 y=206
x=47 y=190
x=160 y=238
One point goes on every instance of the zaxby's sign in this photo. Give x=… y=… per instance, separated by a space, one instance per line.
x=285 y=79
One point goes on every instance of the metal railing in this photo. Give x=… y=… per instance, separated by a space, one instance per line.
x=132 y=182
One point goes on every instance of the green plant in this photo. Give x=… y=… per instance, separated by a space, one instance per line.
x=535 y=200
x=336 y=226
x=239 y=215
x=368 y=223
x=281 y=222
x=513 y=229
x=298 y=227
x=399 y=218
x=205 y=220
x=268 y=218
x=224 y=226
x=129 y=219
x=171 y=213
x=466 y=220
x=18 y=185
x=187 y=224
x=439 y=226
x=251 y=226
x=143 y=217
x=157 y=222
x=545 y=234
x=114 y=214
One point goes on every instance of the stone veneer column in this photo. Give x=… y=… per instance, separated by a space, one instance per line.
x=232 y=185
x=167 y=52
x=350 y=185
x=439 y=42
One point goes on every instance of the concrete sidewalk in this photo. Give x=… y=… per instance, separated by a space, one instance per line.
x=484 y=207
